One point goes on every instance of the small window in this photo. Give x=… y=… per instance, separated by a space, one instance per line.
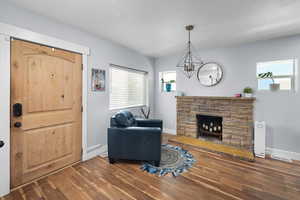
x=168 y=81
x=128 y=88
x=281 y=72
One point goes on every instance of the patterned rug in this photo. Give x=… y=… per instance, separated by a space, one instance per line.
x=174 y=160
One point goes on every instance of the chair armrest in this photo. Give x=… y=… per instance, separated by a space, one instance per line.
x=135 y=130
x=149 y=123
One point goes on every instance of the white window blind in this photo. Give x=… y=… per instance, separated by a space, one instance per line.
x=128 y=88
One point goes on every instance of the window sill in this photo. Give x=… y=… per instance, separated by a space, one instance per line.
x=165 y=92
x=293 y=91
x=127 y=107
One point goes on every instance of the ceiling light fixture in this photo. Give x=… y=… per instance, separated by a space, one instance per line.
x=189 y=63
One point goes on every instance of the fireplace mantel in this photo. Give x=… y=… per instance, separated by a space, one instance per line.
x=218 y=98
x=237 y=114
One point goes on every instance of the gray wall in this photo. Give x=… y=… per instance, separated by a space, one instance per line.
x=103 y=52
x=280 y=110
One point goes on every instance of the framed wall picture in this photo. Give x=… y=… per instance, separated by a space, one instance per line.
x=98 y=80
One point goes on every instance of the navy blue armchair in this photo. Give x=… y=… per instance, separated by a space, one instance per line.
x=134 y=139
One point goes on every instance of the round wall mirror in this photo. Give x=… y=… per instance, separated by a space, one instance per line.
x=210 y=74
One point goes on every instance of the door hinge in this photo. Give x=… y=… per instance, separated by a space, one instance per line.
x=81 y=108
x=82 y=67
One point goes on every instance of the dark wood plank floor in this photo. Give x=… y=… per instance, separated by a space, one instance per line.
x=213 y=177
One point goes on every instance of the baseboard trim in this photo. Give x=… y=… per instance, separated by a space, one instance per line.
x=283 y=155
x=169 y=131
x=277 y=154
x=94 y=151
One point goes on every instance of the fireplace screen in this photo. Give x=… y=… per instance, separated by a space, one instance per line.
x=209 y=126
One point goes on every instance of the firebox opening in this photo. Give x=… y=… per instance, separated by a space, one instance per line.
x=209 y=126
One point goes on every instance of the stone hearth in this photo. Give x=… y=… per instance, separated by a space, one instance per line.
x=237 y=114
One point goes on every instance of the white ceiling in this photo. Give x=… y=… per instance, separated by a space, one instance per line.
x=156 y=27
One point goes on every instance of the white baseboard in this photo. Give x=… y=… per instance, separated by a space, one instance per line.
x=94 y=151
x=169 y=131
x=283 y=155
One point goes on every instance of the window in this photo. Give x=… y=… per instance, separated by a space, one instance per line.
x=168 y=81
x=128 y=88
x=281 y=72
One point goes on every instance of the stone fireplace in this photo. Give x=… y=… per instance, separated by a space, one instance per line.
x=228 y=120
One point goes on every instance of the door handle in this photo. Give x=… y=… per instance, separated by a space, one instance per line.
x=1 y=143
x=18 y=124
x=17 y=110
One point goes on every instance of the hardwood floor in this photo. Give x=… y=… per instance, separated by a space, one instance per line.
x=213 y=177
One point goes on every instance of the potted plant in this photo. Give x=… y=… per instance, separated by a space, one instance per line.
x=248 y=92
x=269 y=75
x=169 y=85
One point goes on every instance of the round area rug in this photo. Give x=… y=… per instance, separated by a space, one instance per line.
x=174 y=160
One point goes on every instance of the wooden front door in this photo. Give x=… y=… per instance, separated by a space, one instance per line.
x=46 y=93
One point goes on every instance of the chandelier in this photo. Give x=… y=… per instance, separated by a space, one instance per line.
x=189 y=62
